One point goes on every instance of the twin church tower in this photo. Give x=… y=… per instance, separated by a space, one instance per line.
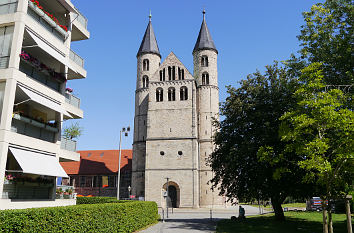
x=173 y=129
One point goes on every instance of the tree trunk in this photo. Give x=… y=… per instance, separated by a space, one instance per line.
x=349 y=220
x=324 y=214
x=278 y=210
x=330 y=220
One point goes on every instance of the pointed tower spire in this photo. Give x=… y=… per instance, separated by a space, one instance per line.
x=149 y=43
x=204 y=40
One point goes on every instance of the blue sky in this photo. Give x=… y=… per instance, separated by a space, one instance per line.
x=248 y=35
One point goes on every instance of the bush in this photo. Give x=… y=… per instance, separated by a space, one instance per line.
x=108 y=217
x=98 y=200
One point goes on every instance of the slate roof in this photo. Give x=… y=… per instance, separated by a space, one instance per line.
x=99 y=162
x=149 y=43
x=204 y=40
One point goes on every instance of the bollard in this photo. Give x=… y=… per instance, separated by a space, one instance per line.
x=211 y=215
x=163 y=215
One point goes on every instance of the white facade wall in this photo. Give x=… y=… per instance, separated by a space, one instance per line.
x=11 y=77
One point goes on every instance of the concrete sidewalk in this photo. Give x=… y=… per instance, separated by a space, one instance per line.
x=195 y=220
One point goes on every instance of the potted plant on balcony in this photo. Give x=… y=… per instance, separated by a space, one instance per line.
x=9 y=179
x=59 y=193
x=73 y=131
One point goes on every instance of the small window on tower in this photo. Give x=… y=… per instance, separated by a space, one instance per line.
x=145 y=65
x=205 y=78
x=205 y=62
x=162 y=153
x=180 y=153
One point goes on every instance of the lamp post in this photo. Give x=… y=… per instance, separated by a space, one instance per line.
x=167 y=178
x=129 y=188
x=125 y=131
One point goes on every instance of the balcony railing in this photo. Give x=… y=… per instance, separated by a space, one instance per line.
x=73 y=100
x=76 y=58
x=43 y=19
x=81 y=19
x=8 y=8
x=68 y=144
x=29 y=127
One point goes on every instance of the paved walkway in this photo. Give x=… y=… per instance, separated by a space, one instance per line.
x=195 y=220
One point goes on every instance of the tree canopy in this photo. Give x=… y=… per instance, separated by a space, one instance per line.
x=252 y=119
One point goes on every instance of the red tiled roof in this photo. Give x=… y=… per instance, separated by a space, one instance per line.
x=99 y=162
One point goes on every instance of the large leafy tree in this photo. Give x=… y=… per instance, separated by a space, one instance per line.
x=320 y=130
x=251 y=120
x=328 y=37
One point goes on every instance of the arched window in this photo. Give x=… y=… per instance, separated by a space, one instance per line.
x=180 y=73
x=145 y=65
x=171 y=94
x=205 y=62
x=205 y=79
x=169 y=73
x=183 y=92
x=145 y=81
x=159 y=94
x=173 y=73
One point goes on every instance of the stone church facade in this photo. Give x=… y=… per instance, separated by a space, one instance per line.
x=173 y=124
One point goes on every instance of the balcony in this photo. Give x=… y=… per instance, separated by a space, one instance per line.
x=32 y=128
x=51 y=24
x=73 y=100
x=76 y=58
x=8 y=8
x=68 y=144
x=79 y=29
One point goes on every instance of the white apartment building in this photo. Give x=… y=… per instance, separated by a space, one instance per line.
x=36 y=66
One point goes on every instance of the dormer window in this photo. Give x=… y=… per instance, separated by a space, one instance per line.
x=205 y=62
x=145 y=65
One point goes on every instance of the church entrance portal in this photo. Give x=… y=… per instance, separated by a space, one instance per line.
x=172 y=194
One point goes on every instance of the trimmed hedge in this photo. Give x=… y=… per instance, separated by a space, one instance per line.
x=108 y=217
x=98 y=200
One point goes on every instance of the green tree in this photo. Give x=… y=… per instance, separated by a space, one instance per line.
x=320 y=130
x=251 y=121
x=73 y=131
x=327 y=37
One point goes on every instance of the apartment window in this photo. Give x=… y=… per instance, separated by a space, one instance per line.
x=159 y=95
x=171 y=94
x=146 y=65
x=6 y=34
x=183 y=93
x=205 y=62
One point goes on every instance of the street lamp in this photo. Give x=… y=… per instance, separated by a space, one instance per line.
x=125 y=131
x=129 y=188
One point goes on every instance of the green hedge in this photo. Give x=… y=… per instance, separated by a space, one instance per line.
x=109 y=217
x=98 y=200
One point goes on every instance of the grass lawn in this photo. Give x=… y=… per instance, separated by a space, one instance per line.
x=291 y=205
x=296 y=222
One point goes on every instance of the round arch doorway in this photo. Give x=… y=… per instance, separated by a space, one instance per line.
x=173 y=194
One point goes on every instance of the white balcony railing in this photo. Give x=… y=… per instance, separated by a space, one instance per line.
x=73 y=100
x=68 y=144
x=76 y=58
x=81 y=19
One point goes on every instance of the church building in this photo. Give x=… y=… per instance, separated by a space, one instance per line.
x=173 y=130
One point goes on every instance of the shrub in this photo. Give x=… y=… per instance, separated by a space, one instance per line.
x=98 y=200
x=107 y=217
